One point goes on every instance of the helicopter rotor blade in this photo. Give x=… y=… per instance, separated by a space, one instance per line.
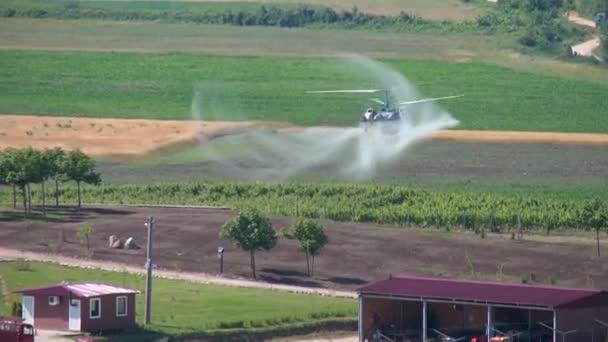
x=378 y=101
x=344 y=91
x=429 y=100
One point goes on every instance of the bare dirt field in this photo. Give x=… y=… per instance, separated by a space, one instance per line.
x=105 y=137
x=101 y=137
x=187 y=239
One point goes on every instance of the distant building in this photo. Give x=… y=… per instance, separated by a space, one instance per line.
x=81 y=307
x=431 y=309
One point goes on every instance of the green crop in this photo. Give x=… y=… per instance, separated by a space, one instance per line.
x=162 y=86
x=383 y=204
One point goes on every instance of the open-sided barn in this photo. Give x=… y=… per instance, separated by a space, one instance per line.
x=433 y=309
x=84 y=307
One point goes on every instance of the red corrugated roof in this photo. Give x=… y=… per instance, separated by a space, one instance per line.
x=486 y=292
x=80 y=290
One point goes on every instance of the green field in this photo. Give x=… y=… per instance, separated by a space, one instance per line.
x=154 y=37
x=428 y=9
x=143 y=7
x=161 y=86
x=184 y=307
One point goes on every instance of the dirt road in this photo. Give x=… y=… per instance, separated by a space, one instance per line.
x=521 y=137
x=575 y=18
x=586 y=48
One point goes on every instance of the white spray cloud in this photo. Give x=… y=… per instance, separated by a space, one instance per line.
x=343 y=152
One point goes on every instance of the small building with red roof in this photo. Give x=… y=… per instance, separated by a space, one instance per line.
x=79 y=307
x=435 y=309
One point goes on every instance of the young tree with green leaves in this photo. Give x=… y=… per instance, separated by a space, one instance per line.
x=55 y=158
x=5 y=167
x=312 y=238
x=80 y=168
x=41 y=171
x=22 y=171
x=85 y=233
x=250 y=231
x=595 y=215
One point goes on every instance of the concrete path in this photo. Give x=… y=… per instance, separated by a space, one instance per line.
x=54 y=336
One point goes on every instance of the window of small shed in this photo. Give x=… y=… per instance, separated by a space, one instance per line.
x=94 y=308
x=121 y=306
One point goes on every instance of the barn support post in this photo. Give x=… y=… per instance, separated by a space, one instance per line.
x=148 y=299
x=424 y=323
x=489 y=323
x=360 y=322
x=554 y=326
x=529 y=325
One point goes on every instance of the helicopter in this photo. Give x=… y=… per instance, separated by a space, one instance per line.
x=387 y=113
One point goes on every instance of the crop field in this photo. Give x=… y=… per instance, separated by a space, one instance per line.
x=472 y=207
x=428 y=9
x=154 y=37
x=162 y=86
x=187 y=239
x=184 y=307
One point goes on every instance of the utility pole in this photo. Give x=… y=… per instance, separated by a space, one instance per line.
x=220 y=254
x=148 y=300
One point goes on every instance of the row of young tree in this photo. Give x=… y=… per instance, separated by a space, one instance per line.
x=20 y=168
x=251 y=231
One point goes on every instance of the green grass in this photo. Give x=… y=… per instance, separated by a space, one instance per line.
x=161 y=86
x=429 y=9
x=184 y=307
x=143 y=7
x=225 y=40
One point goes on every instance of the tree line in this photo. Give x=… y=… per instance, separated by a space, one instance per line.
x=20 y=168
x=265 y=15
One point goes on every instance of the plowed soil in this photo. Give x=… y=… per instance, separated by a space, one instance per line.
x=112 y=137
x=187 y=239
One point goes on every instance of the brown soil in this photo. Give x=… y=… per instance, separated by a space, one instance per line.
x=102 y=137
x=522 y=137
x=186 y=239
x=115 y=137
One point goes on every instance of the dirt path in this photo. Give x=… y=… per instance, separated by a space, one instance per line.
x=574 y=17
x=12 y=254
x=585 y=48
x=521 y=137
